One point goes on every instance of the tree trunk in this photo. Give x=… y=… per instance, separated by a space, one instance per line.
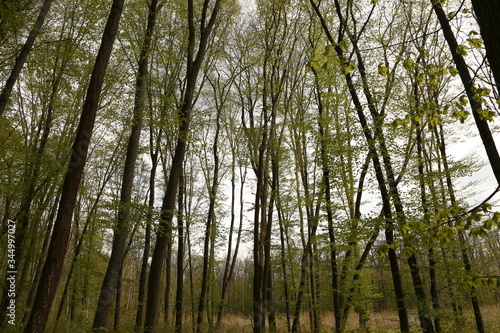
x=112 y=276
x=463 y=246
x=209 y=230
x=168 y=205
x=468 y=83
x=179 y=296
x=147 y=239
x=57 y=249
x=487 y=14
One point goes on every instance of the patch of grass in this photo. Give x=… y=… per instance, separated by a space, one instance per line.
x=380 y=322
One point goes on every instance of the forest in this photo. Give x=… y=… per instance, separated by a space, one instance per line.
x=249 y=166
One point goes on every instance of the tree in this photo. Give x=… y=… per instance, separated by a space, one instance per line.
x=475 y=103
x=111 y=279
x=57 y=249
x=194 y=61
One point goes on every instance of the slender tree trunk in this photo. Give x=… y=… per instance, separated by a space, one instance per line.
x=306 y=257
x=112 y=276
x=168 y=282
x=389 y=228
x=268 y=275
x=463 y=246
x=468 y=83
x=147 y=240
x=39 y=266
x=209 y=230
x=179 y=297
x=23 y=55
x=107 y=177
x=284 y=265
x=228 y=267
x=57 y=249
x=164 y=229
x=329 y=213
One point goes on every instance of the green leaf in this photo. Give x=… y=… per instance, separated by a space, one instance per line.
x=344 y=45
x=463 y=100
x=420 y=80
x=453 y=71
x=408 y=64
x=382 y=70
x=475 y=42
x=423 y=52
x=329 y=49
x=382 y=250
x=462 y=49
x=347 y=69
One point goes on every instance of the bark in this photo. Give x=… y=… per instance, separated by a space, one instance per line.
x=329 y=213
x=209 y=230
x=179 y=296
x=463 y=245
x=164 y=229
x=312 y=220
x=231 y=263
x=122 y=230
x=147 y=238
x=487 y=14
x=57 y=249
x=284 y=264
x=23 y=55
x=118 y=293
x=468 y=83
x=31 y=297
x=168 y=281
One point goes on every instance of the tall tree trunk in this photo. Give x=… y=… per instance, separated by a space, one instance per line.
x=147 y=238
x=337 y=313
x=210 y=226
x=468 y=83
x=23 y=55
x=228 y=267
x=90 y=215
x=168 y=282
x=57 y=249
x=268 y=275
x=164 y=229
x=179 y=296
x=112 y=276
x=387 y=210
x=487 y=14
x=463 y=246
x=39 y=266
x=284 y=262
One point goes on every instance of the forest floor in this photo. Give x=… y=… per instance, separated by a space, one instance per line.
x=380 y=322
